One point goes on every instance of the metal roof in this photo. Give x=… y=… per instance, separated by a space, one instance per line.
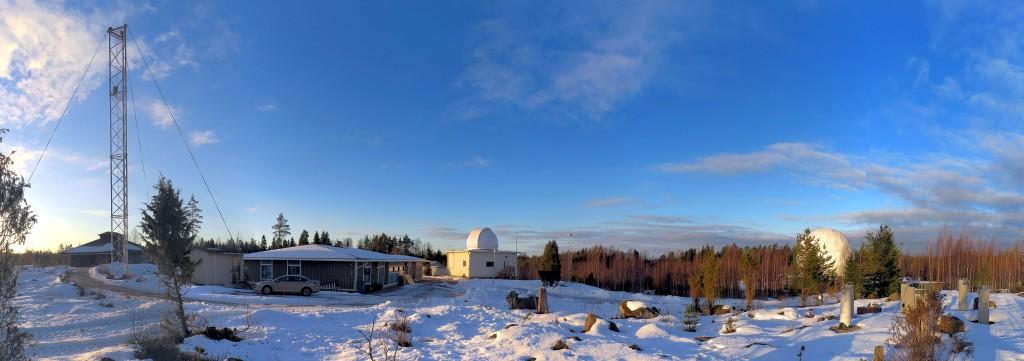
x=327 y=253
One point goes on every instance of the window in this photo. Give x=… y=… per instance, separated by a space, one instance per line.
x=490 y=264
x=366 y=275
x=294 y=267
x=266 y=270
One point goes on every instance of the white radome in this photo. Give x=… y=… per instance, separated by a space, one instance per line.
x=836 y=246
x=482 y=238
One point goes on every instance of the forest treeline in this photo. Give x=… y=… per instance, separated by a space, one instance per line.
x=946 y=259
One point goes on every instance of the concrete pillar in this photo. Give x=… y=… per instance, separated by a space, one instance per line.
x=846 y=306
x=983 y=304
x=963 y=287
x=906 y=295
x=542 y=300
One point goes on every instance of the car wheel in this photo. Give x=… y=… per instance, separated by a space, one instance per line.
x=267 y=290
x=306 y=291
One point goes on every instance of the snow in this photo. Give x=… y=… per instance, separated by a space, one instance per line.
x=466 y=320
x=322 y=252
x=635 y=305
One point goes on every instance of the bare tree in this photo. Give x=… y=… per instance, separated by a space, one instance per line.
x=916 y=335
x=16 y=219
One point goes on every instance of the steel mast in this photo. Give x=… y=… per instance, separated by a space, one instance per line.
x=118 y=83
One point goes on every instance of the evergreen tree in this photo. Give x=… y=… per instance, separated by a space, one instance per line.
x=16 y=219
x=550 y=264
x=748 y=271
x=812 y=267
x=325 y=238
x=263 y=242
x=316 y=237
x=281 y=230
x=874 y=269
x=304 y=238
x=690 y=319
x=169 y=229
x=710 y=272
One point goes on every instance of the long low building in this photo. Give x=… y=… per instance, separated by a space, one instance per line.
x=98 y=252
x=337 y=268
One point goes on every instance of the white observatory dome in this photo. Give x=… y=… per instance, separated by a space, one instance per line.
x=836 y=246
x=482 y=238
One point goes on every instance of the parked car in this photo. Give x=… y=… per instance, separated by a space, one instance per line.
x=288 y=284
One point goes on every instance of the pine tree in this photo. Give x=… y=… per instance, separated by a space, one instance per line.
x=748 y=269
x=550 y=264
x=16 y=219
x=263 y=243
x=304 y=238
x=710 y=272
x=281 y=230
x=316 y=237
x=169 y=230
x=325 y=238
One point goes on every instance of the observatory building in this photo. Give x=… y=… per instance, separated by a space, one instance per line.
x=836 y=246
x=482 y=258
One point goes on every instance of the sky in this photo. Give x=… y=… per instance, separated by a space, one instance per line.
x=651 y=125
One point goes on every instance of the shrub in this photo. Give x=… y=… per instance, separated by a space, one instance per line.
x=730 y=326
x=690 y=319
x=917 y=335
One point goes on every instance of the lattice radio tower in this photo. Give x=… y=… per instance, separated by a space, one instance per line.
x=118 y=83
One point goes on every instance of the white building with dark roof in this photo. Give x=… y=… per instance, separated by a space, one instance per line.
x=337 y=268
x=482 y=258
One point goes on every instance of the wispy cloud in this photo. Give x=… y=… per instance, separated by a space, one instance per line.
x=159 y=114
x=476 y=161
x=203 y=137
x=610 y=202
x=266 y=107
x=25 y=158
x=582 y=62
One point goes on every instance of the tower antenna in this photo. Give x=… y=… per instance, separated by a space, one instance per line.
x=117 y=82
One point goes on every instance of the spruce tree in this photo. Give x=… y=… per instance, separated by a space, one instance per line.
x=304 y=238
x=263 y=243
x=316 y=237
x=690 y=318
x=169 y=230
x=884 y=255
x=550 y=264
x=325 y=238
x=812 y=267
x=16 y=219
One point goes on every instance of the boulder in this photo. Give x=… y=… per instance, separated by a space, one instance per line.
x=634 y=309
x=950 y=325
x=719 y=310
x=591 y=320
x=520 y=303
x=871 y=308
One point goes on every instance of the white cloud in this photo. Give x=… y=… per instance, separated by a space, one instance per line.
x=581 y=61
x=203 y=137
x=25 y=159
x=267 y=107
x=159 y=114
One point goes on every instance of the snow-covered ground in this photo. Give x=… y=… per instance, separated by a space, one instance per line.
x=466 y=320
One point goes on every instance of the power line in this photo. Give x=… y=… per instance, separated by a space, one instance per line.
x=182 y=135
x=66 y=107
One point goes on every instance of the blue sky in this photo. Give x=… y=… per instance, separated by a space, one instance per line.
x=657 y=125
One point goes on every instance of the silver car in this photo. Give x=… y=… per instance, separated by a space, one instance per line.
x=289 y=284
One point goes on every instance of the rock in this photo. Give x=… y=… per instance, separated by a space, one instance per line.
x=575 y=338
x=950 y=325
x=635 y=347
x=560 y=345
x=520 y=303
x=613 y=327
x=719 y=310
x=591 y=319
x=642 y=312
x=871 y=308
x=991 y=304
